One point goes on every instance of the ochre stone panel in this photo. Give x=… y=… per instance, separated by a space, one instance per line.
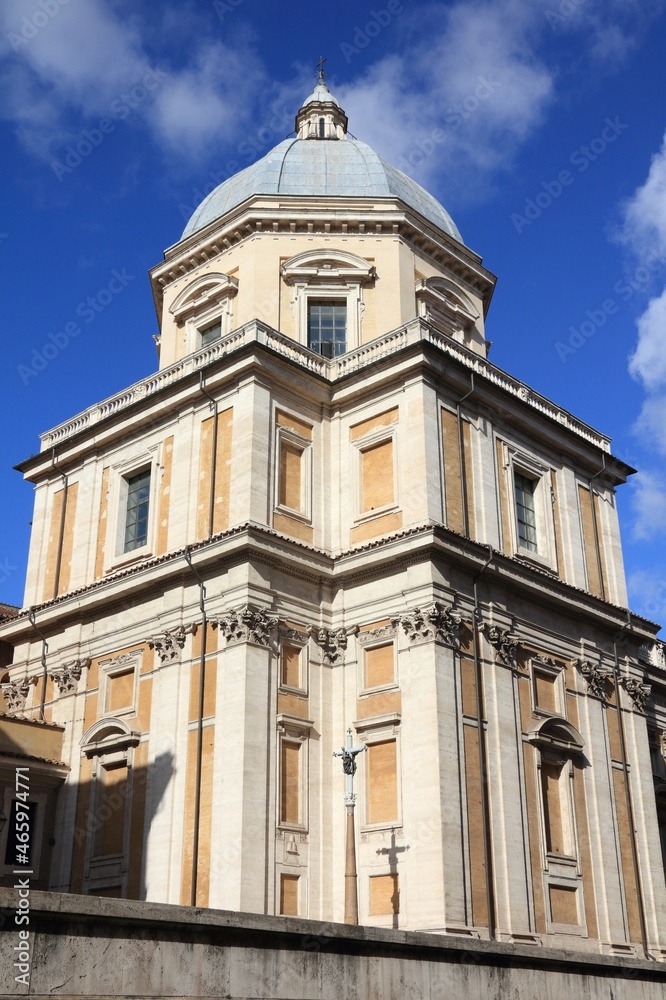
x=382 y=782
x=384 y=895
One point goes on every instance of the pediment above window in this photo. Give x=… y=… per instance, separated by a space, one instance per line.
x=108 y=735
x=332 y=265
x=556 y=734
x=439 y=302
x=202 y=294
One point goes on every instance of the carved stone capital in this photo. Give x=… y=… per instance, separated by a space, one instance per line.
x=68 y=675
x=167 y=644
x=597 y=677
x=435 y=622
x=247 y=624
x=16 y=693
x=503 y=642
x=332 y=642
x=637 y=691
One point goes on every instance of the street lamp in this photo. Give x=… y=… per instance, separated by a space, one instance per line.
x=349 y=754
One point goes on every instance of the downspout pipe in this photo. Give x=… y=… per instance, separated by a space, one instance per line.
x=483 y=755
x=461 y=452
x=213 y=468
x=61 y=534
x=627 y=786
x=200 y=712
x=45 y=649
x=595 y=527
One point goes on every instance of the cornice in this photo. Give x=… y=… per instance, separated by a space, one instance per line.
x=291 y=215
x=252 y=542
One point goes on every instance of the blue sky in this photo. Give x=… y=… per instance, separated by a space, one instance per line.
x=539 y=125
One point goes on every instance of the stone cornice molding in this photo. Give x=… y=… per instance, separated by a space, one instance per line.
x=168 y=644
x=332 y=642
x=504 y=642
x=597 y=677
x=432 y=623
x=287 y=633
x=247 y=624
x=69 y=674
x=16 y=693
x=388 y=631
x=637 y=691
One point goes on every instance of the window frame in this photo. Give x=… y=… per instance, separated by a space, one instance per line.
x=295 y=731
x=286 y=435
x=382 y=435
x=379 y=729
x=118 y=491
x=342 y=302
x=202 y=302
x=517 y=462
x=332 y=274
x=114 y=666
x=365 y=647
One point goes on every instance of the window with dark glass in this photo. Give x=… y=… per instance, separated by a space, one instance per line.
x=327 y=327
x=136 y=516
x=322 y=128
x=526 y=512
x=211 y=333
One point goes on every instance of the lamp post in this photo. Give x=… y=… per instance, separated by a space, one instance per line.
x=349 y=754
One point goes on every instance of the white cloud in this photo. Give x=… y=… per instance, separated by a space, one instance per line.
x=649 y=505
x=648 y=362
x=645 y=212
x=87 y=56
x=463 y=97
x=651 y=423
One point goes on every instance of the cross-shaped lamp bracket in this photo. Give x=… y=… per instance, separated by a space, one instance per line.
x=349 y=755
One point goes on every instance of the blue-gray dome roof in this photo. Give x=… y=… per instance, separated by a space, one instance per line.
x=344 y=168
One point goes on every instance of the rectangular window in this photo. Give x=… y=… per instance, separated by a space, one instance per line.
x=525 y=489
x=211 y=333
x=290 y=666
x=136 y=515
x=379 y=665
x=109 y=812
x=382 y=782
x=290 y=779
x=377 y=478
x=327 y=327
x=384 y=895
x=290 y=488
x=545 y=691
x=120 y=691
x=289 y=895
x=555 y=808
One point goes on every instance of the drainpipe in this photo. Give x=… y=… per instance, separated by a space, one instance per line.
x=61 y=536
x=213 y=470
x=461 y=452
x=627 y=787
x=45 y=649
x=483 y=755
x=200 y=712
x=595 y=527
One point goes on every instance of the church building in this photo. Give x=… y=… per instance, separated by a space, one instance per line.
x=327 y=510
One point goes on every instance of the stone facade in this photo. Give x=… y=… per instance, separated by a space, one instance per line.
x=400 y=538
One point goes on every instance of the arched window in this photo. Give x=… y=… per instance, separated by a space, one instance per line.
x=322 y=128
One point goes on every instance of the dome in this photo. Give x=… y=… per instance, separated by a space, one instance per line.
x=323 y=160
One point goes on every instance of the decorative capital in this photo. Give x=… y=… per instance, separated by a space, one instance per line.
x=503 y=642
x=637 y=691
x=332 y=642
x=167 y=644
x=68 y=675
x=16 y=694
x=247 y=624
x=434 y=622
x=596 y=676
